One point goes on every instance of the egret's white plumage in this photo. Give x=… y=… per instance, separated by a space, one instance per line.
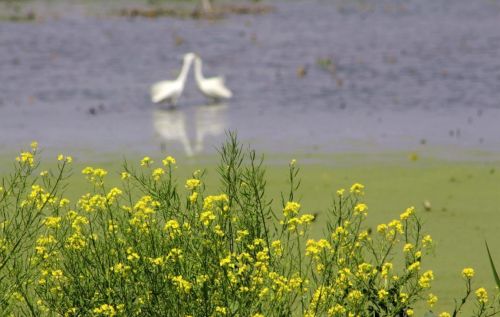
x=171 y=90
x=213 y=87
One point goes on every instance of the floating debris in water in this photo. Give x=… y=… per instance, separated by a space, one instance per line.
x=427 y=205
x=198 y=13
x=301 y=71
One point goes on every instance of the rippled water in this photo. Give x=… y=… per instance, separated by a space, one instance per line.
x=403 y=75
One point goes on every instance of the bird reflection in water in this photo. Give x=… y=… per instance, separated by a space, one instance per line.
x=190 y=126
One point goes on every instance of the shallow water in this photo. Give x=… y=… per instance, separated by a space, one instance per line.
x=408 y=76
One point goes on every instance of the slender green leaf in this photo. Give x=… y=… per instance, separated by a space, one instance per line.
x=495 y=274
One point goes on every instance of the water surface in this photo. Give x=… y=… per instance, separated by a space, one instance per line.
x=313 y=76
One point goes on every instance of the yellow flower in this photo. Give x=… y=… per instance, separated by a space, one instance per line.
x=168 y=161
x=26 y=158
x=173 y=228
x=193 y=197
x=94 y=175
x=276 y=245
x=218 y=231
x=221 y=310
x=183 y=286
x=425 y=280
x=468 y=272
x=382 y=294
x=361 y=209
x=159 y=261
x=414 y=266
x=157 y=173
x=403 y=297
x=146 y=161
x=131 y=255
x=52 y=222
x=307 y=218
x=432 y=300
x=206 y=217
x=409 y=312
x=125 y=175
x=120 y=268
x=444 y=314
x=113 y=194
x=291 y=207
x=67 y=159
x=407 y=247
x=427 y=241
x=240 y=234
x=34 y=145
x=105 y=310
x=396 y=224
x=354 y=296
x=408 y=212
x=340 y=192
x=482 y=295
x=382 y=228
x=357 y=188
x=225 y=261
x=192 y=183
x=385 y=269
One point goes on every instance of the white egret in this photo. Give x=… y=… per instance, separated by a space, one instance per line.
x=213 y=87
x=171 y=90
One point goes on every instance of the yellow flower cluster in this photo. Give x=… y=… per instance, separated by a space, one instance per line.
x=158 y=173
x=291 y=208
x=425 y=280
x=91 y=203
x=481 y=295
x=146 y=161
x=408 y=212
x=142 y=213
x=63 y=158
x=95 y=175
x=357 y=189
x=169 y=160
x=26 y=158
x=192 y=183
x=108 y=310
x=432 y=299
x=468 y=273
x=361 y=209
x=183 y=286
x=294 y=222
x=314 y=248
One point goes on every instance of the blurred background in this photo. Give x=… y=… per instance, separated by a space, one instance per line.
x=309 y=76
x=400 y=95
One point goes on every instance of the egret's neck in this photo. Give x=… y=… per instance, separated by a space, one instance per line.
x=197 y=70
x=184 y=71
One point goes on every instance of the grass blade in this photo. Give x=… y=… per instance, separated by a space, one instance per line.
x=495 y=274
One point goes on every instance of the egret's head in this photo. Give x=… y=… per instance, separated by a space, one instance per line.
x=189 y=57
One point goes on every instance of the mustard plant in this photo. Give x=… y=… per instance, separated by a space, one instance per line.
x=159 y=246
